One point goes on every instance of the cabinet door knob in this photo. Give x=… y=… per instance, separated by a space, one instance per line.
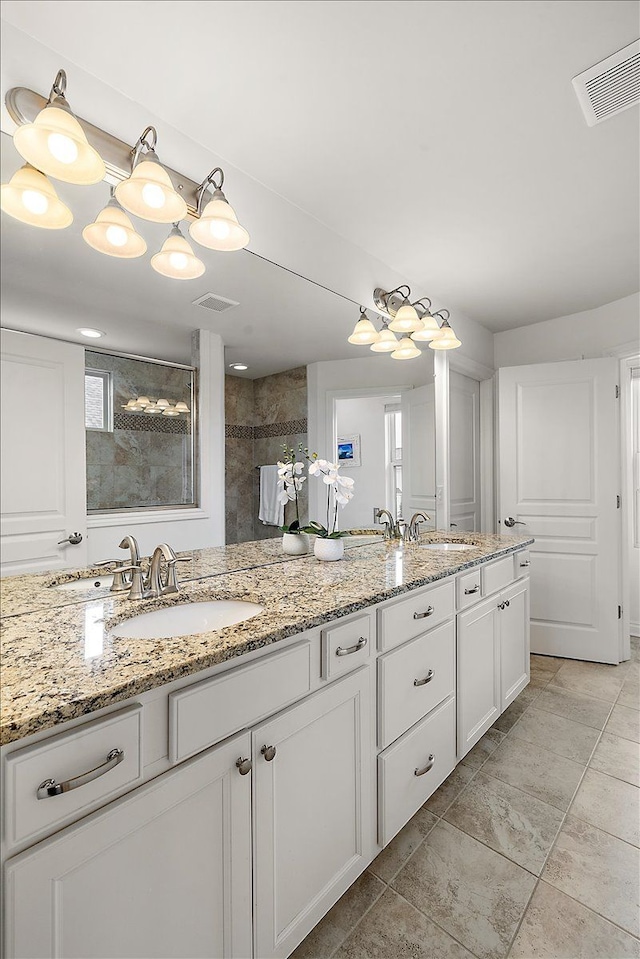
x=428 y=612
x=475 y=589
x=425 y=769
x=347 y=650
x=507 y=602
x=500 y=605
x=427 y=679
x=243 y=766
x=268 y=752
x=51 y=788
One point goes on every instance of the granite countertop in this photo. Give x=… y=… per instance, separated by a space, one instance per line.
x=62 y=662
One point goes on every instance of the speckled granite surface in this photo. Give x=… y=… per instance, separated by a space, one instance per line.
x=63 y=662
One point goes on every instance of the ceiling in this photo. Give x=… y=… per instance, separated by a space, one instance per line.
x=442 y=138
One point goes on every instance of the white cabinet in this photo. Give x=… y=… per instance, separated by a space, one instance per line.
x=493 y=660
x=165 y=872
x=478 y=690
x=313 y=809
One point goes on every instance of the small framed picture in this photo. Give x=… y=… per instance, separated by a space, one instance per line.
x=349 y=451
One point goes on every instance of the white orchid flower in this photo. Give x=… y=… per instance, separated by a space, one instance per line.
x=283 y=497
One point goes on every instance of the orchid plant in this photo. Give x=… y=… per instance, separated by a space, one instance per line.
x=290 y=481
x=339 y=492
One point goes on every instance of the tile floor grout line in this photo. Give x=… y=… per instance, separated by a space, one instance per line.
x=450 y=934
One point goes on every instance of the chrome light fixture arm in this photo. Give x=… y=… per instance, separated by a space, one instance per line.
x=143 y=146
x=209 y=180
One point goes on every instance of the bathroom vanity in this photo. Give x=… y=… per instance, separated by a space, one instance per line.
x=239 y=781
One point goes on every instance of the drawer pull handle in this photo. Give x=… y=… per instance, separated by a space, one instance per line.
x=243 y=766
x=427 y=679
x=527 y=563
x=475 y=589
x=269 y=752
x=425 y=769
x=51 y=788
x=347 y=650
x=428 y=612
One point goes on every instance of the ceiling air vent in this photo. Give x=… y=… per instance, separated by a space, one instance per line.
x=211 y=301
x=611 y=86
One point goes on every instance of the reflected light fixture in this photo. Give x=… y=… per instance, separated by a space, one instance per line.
x=446 y=339
x=386 y=342
x=113 y=233
x=31 y=198
x=405 y=350
x=56 y=143
x=430 y=328
x=176 y=259
x=217 y=225
x=364 y=332
x=148 y=192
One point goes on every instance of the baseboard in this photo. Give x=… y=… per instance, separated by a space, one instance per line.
x=634 y=629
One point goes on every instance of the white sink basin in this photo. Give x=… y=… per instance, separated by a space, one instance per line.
x=89 y=581
x=447 y=547
x=187 y=620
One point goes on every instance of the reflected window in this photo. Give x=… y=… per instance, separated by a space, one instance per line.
x=393 y=422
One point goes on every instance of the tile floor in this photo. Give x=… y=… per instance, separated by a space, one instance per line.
x=530 y=849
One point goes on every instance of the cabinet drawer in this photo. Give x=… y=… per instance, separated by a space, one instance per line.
x=521 y=563
x=207 y=712
x=497 y=575
x=67 y=757
x=414 y=615
x=404 y=697
x=413 y=768
x=345 y=647
x=470 y=588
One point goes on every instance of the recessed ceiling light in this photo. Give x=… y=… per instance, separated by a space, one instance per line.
x=92 y=334
x=238 y=366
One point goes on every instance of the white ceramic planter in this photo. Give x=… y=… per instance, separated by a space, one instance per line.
x=295 y=544
x=328 y=550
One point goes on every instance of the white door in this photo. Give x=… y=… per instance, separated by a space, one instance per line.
x=43 y=481
x=164 y=872
x=464 y=452
x=559 y=480
x=419 y=452
x=314 y=827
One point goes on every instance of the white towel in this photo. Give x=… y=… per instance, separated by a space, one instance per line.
x=271 y=511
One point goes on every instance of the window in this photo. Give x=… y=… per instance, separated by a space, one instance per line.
x=97 y=401
x=393 y=418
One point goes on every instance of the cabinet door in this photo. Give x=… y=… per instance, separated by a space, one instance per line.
x=514 y=640
x=314 y=827
x=479 y=700
x=164 y=872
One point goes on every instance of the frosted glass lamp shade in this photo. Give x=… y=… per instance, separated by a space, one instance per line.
x=386 y=342
x=182 y=407
x=429 y=331
x=170 y=411
x=149 y=193
x=406 y=320
x=56 y=144
x=113 y=233
x=31 y=198
x=406 y=350
x=364 y=333
x=447 y=340
x=217 y=227
x=176 y=259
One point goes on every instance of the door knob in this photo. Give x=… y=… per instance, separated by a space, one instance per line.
x=510 y=521
x=74 y=539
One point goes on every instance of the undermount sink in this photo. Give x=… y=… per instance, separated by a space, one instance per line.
x=447 y=547
x=86 y=583
x=189 y=619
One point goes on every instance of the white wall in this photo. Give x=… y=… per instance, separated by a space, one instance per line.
x=364 y=416
x=585 y=335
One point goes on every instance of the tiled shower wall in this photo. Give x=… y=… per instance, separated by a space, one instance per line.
x=260 y=416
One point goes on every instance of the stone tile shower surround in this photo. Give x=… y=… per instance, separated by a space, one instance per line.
x=146 y=460
x=260 y=415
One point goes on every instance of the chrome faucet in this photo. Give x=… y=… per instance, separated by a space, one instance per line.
x=131 y=543
x=156 y=587
x=393 y=529
x=413 y=533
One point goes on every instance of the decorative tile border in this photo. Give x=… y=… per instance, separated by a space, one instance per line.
x=238 y=432
x=267 y=430
x=151 y=424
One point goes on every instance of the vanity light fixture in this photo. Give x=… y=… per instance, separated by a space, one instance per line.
x=406 y=350
x=430 y=327
x=148 y=192
x=56 y=143
x=406 y=320
x=176 y=259
x=31 y=198
x=113 y=233
x=446 y=339
x=387 y=341
x=217 y=225
x=364 y=332
x=92 y=334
